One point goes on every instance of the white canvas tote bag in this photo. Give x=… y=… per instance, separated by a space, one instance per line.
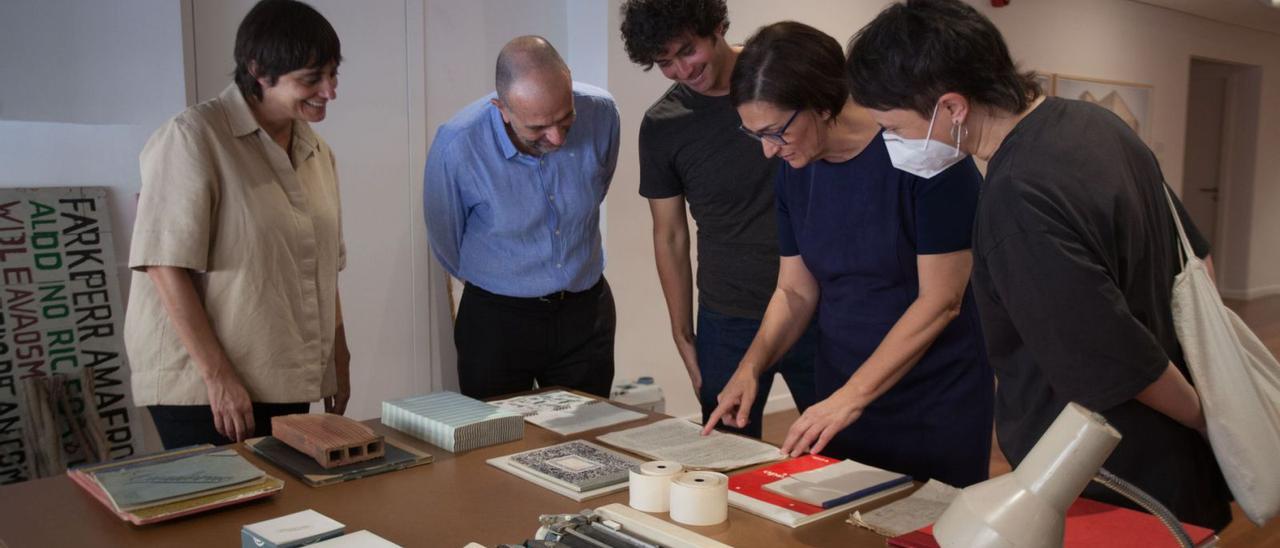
x=1239 y=384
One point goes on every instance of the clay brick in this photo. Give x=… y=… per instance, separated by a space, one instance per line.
x=332 y=440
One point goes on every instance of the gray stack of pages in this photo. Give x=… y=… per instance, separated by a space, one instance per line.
x=452 y=422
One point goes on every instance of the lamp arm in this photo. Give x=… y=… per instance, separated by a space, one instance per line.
x=1141 y=498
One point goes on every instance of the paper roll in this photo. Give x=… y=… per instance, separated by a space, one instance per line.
x=651 y=485
x=700 y=498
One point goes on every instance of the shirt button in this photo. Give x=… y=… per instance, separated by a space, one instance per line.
x=558 y=265
x=557 y=232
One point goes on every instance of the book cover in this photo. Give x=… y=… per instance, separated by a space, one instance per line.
x=836 y=484
x=578 y=465
x=139 y=485
x=504 y=463
x=452 y=422
x=747 y=492
x=1093 y=524
x=290 y=531
x=265 y=487
x=305 y=468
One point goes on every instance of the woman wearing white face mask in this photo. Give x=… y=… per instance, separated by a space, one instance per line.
x=1075 y=249
x=881 y=256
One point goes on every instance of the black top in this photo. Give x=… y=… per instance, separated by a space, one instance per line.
x=1075 y=252
x=690 y=145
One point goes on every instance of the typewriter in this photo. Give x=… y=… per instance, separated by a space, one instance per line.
x=612 y=526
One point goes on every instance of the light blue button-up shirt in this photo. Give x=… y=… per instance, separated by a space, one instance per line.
x=515 y=224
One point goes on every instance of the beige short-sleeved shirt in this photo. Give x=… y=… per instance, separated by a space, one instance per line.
x=263 y=239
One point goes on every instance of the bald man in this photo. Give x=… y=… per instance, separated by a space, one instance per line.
x=512 y=200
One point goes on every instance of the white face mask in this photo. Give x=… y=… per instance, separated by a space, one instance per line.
x=915 y=156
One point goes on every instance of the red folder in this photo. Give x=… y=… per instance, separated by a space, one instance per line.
x=1094 y=524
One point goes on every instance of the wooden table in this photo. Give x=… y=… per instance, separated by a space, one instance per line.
x=454 y=500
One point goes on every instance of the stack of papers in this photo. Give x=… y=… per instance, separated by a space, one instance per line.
x=836 y=484
x=566 y=413
x=452 y=422
x=920 y=509
x=809 y=488
x=174 y=483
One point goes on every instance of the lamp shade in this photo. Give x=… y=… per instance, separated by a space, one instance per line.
x=1027 y=507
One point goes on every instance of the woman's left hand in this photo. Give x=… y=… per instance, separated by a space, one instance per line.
x=337 y=403
x=822 y=421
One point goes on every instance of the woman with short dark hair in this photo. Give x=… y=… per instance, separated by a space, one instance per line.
x=1075 y=248
x=881 y=256
x=233 y=312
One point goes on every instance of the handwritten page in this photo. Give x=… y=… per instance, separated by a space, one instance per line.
x=682 y=441
x=922 y=508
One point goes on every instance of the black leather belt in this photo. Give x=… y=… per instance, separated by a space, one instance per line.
x=558 y=296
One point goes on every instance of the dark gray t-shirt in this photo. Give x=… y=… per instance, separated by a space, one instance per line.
x=1075 y=252
x=690 y=146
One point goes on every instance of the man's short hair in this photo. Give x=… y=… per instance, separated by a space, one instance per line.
x=277 y=37
x=649 y=25
x=522 y=55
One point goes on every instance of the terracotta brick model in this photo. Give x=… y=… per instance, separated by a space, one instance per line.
x=332 y=440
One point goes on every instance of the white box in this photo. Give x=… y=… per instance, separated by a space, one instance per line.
x=297 y=529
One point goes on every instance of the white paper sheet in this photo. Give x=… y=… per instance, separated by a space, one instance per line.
x=922 y=508
x=682 y=441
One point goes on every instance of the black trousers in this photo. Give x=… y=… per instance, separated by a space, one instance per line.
x=505 y=344
x=183 y=425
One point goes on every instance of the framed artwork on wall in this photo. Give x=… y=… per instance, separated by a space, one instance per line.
x=1130 y=101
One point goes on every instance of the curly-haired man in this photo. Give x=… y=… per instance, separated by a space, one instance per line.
x=692 y=152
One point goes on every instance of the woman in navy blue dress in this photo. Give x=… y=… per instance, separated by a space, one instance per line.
x=881 y=256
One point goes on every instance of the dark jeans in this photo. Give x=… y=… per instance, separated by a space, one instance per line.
x=721 y=343
x=183 y=425
x=505 y=344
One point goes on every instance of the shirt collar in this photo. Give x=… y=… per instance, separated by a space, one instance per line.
x=238 y=113
x=509 y=149
x=243 y=123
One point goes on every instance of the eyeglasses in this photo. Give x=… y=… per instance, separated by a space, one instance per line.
x=775 y=137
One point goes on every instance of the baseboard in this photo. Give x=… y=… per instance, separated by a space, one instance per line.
x=1250 y=293
x=775 y=404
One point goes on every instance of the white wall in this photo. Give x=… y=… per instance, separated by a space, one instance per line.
x=1140 y=43
x=82 y=86
x=88 y=62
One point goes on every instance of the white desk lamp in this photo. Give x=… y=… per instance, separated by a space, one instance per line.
x=1027 y=508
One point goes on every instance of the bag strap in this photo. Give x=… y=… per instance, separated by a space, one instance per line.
x=1185 y=251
